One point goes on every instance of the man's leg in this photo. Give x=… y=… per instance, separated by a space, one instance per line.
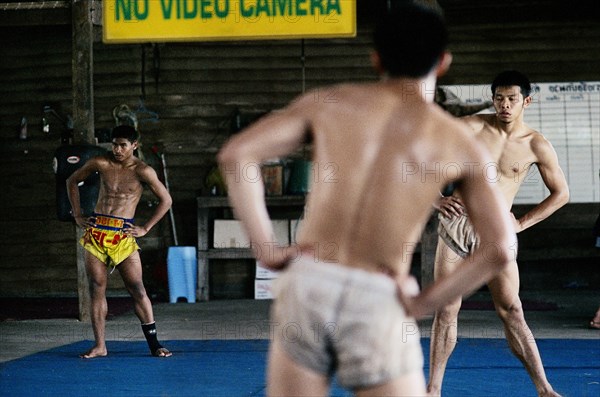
x=444 y=329
x=285 y=377
x=131 y=272
x=505 y=293
x=96 y=272
x=409 y=385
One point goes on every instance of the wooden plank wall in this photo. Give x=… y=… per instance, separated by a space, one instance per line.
x=186 y=104
x=195 y=90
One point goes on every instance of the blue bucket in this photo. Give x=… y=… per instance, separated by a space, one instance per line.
x=182 y=271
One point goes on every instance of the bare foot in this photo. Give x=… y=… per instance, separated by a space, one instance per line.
x=95 y=352
x=595 y=323
x=162 y=352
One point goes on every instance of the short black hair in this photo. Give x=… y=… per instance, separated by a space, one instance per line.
x=512 y=77
x=410 y=40
x=125 y=131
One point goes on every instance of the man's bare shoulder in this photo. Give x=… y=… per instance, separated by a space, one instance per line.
x=455 y=133
x=453 y=125
x=335 y=94
x=332 y=100
x=100 y=161
x=143 y=170
x=535 y=134
x=477 y=122
x=539 y=143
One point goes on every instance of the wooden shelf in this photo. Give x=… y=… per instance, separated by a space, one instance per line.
x=272 y=201
x=211 y=208
x=227 y=253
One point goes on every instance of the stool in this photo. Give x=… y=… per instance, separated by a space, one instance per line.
x=182 y=266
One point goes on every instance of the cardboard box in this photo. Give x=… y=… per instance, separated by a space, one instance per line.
x=265 y=274
x=263 y=289
x=231 y=234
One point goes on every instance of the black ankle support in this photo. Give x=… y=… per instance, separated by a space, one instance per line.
x=150 y=334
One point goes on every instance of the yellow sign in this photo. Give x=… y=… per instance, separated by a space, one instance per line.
x=135 y=21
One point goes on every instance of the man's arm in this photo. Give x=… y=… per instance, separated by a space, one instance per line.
x=73 y=181
x=240 y=159
x=148 y=175
x=553 y=178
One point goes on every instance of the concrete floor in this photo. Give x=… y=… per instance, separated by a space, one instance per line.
x=248 y=319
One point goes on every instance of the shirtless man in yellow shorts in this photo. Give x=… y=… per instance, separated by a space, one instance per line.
x=343 y=302
x=110 y=232
x=515 y=147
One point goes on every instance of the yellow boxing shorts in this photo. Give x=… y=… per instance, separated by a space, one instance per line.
x=107 y=241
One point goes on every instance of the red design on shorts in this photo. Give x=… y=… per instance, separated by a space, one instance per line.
x=116 y=239
x=99 y=236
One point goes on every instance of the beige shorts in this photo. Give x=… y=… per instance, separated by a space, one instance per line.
x=458 y=234
x=338 y=320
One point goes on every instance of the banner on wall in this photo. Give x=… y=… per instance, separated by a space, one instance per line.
x=136 y=21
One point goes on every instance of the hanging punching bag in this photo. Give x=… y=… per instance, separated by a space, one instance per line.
x=68 y=159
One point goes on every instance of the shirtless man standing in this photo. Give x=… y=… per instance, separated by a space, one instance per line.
x=110 y=233
x=345 y=302
x=515 y=147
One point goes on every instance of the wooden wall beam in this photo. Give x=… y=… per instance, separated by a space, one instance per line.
x=83 y=117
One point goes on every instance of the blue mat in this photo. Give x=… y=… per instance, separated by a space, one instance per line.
x=478 y=368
